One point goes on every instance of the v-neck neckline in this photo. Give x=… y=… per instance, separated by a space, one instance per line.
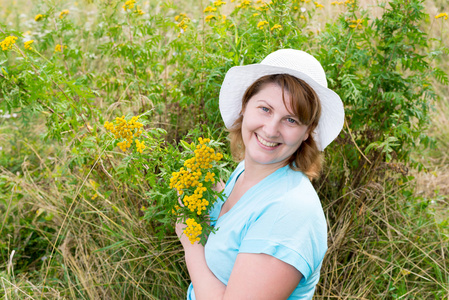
x=242 y=199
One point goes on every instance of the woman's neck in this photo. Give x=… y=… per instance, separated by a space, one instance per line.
x=256 y=172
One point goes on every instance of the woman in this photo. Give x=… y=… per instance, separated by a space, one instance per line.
x=272 y=233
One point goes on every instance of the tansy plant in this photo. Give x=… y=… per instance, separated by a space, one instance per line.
x=194 y=184
x=127 y=131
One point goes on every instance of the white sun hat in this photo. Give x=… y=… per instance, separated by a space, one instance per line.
x=285 y=61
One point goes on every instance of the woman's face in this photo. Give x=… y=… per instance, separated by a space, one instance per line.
x=270 y=131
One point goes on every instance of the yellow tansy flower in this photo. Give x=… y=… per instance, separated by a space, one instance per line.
x=27 y=44
x=210 y=9
x=8 y=42
x=356 y=23
x=320 y=6
x=276 y=26
x=63 y=13
x=261 y=24
x=126 y=130
x=442 y=15
x=209 y=18
x=244 y=3
x=38 y=17
x=129 y=5
x=193 y=230
x=219 y=3
x=58 y=48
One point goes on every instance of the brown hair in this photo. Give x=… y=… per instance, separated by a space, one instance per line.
x=306 y=106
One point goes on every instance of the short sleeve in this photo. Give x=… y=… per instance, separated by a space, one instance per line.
x=291 y=228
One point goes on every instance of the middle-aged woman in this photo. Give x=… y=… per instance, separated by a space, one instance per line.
x=272 y=233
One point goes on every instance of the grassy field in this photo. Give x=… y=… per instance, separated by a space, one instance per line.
x=82 y=219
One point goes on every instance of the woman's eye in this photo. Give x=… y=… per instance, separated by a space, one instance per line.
x=265 y=109
x=291 y=121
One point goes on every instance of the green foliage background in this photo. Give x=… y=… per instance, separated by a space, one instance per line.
x=81 y=219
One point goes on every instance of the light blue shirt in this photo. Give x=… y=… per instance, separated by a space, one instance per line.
x=280 y=216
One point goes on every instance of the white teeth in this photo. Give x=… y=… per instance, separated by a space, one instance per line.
x=265 y=143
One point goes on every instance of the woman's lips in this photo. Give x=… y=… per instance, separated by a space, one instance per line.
x=265 y=142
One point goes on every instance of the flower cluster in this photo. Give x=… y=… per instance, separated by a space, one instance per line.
x=59 y=48
x=320 y=6
x=38 y=17
x=356 y=23
x=261 y=24
x=27 y=45
x=244 y=3
x=182 y=20
x=276 y=26
x=209 y=18
x=140 y=145
x=442 y=15
x=210 y=9
x=129 y=5
x=138 y=11
x=63 y=13
x=263 y=6
x=126 y=130
x=193 y=181
x=8 y=42
x=193 y=230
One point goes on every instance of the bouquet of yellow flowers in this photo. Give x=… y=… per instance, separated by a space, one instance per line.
x=194 y=184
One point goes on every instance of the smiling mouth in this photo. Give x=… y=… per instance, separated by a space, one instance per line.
x=266 y=143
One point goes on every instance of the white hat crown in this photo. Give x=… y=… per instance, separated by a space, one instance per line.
x=297 y=60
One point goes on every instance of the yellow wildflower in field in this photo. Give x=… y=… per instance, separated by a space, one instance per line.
x=183 y=21
x=210 y=9
x=209 y=18
x=126 y=130
x=442 y=15
x=244 y=3
x=129 y=5
x=320 y=6
x=38 y=17
x=140 y=145
x=263 y=7
x=193 y=230
x=261 y=24
x=8 y=42
x=276 y=26
x=63 y=13
x=219 y=3
x=27 y=44
x=337 y=3
x=356 y=24
x=59 y=48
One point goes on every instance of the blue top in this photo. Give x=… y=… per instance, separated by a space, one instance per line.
x=280 y=216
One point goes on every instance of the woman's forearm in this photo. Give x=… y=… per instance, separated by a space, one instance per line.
x=205 y=284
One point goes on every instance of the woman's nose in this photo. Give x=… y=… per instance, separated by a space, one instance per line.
x=271 y=128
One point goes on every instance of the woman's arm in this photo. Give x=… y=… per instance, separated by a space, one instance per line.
x=254 y=276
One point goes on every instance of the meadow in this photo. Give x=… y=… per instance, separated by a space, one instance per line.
x=87 y=209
